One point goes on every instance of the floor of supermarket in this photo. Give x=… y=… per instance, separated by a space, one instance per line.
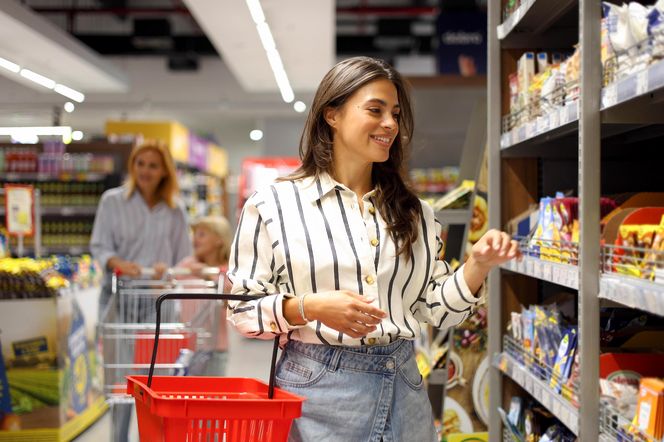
x=247 y=358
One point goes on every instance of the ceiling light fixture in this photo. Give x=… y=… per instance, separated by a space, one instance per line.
x=256 y=135
x=270 y=47
x=299 y=107
x=37 y=78
x=69 y=107
x=69 y=93
x=10 y=66
x=77 y=135
x=31 y=132
x=42 y=80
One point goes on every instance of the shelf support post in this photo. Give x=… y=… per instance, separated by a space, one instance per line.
x=589 y=217
x=494 y=166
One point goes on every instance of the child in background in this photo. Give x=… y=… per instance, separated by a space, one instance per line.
x=212 y=241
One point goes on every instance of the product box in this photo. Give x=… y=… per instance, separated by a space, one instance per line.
x=525 y=71
x=650 y=407
x=542 y=61
x=50 y=363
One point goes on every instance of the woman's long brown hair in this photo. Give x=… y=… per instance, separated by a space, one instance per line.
x=396 y=202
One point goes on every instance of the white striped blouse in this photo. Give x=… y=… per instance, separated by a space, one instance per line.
x=310 y=236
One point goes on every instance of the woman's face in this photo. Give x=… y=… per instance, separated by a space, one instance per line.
x=205 y=242
x=367 y=124
x=149 y=170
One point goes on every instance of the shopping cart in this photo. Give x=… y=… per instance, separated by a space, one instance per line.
x=127 y=332
x=210 y=409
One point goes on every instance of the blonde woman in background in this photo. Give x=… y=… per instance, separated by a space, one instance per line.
x=212 y=248
x=141 y=224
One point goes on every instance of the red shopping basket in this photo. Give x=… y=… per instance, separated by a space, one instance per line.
x=211 y=409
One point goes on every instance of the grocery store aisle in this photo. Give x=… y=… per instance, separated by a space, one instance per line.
x=248 y=358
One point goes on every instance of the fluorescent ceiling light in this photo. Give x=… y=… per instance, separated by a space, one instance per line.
x=266 y=36
x=69 y=92
x=39 y=79
x=13 y=67
x=256 y=11
x=69 y=107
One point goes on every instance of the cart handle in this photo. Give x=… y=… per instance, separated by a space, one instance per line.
x=220 y=296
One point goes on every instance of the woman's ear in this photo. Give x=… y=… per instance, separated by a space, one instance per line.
x=331 y=116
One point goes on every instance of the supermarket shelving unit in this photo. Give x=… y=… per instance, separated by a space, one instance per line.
x=602 y=123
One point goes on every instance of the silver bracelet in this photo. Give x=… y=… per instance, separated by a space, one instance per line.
x=301 y=306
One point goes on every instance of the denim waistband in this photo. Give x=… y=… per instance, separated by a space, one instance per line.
x=374 y=358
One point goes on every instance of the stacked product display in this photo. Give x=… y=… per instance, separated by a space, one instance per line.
x=544 y=89
x=528 y=422
x=578 y=327
x=49 y=381
x=69 y=185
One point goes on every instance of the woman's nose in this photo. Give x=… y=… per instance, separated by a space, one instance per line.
x=389 y=123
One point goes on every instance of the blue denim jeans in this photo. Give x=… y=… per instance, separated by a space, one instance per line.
x=356 y=394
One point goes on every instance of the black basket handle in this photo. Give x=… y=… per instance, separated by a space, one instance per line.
x=205 y=296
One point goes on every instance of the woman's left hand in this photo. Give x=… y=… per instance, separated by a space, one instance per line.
x=494 y=248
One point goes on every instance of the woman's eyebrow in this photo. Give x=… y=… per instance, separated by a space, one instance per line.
x=381 y=102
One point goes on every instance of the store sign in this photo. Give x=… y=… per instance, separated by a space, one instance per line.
x=462 y=43
x=198 y=151
x=19 y=206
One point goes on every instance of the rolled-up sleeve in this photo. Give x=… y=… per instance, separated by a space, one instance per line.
x=252 y=273
x=101 y=242
x=447 y=301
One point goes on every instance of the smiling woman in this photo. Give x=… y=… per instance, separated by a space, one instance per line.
x=346 y=260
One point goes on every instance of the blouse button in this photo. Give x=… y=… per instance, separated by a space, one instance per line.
x=273 y=326
x=374 y=242
x=372 y=210
x=369 y=279
x=372 y=341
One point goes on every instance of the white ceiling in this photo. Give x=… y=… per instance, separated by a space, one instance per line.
x=33 y=42
x=303 y=30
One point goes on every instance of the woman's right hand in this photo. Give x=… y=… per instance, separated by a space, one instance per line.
x=344 y=311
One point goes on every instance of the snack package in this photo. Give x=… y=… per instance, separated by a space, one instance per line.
x=656 y=31
x=639 y=251
x=546 y=239
x=515 y=415
x=530 y=426
x=622 y=397
x=528 y=325
x=569 y=390
x=554 y=334
x=525 y=72
x=564 y=359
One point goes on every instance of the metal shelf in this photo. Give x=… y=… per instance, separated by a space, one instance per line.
x=64 y=211
x=74 y=176
x=561 y=274
x=65 y=250
x=632 y=292
x=453 y=216
x=563 y=121
x=533 y=17
x=540 y=390
x=555 y=124
x=635 y=85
